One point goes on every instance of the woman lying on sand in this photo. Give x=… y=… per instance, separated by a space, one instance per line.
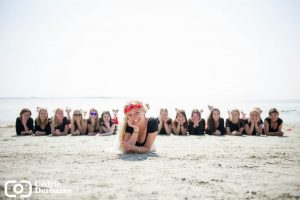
x=60 y=123
x=234 y=125
x=107 y=126
x=273 y=124
x=215 y=124
x=78 y=124
x=180 y=124
x=42 y=124
x=196 y=125
x=137 y=133
x=164 y=122
x=253 y=126
x=93 y=125
x=24 y=123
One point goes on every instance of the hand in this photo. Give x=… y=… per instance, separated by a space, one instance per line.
x=217 y=132
x=235 y=133
x=126 y=146
x=107 y=124
x=57 y=132
x=135 y=127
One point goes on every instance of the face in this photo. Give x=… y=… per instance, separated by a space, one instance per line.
x=59 y=115
x=77 y=114
x=254 y=116
x=164 y=115
x=235 y=115
x=195 y=117
x=26 y=115
x=181 y=117
x=274 y=117
x=93 y=114
x=136 y=116
x=106 y=118
x=216 y=115
x=43 y=114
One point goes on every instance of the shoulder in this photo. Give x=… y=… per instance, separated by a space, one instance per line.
x=268 y=119
x=18 y=119
x=152 y=125
x=227 y=121
x=152 y=121
x=66 y=121
x=280 y=121
x=221 y=120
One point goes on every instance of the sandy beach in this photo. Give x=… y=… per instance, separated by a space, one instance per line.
x=192 y=167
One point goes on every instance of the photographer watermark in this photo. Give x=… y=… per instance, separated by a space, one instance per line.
x=25 y=188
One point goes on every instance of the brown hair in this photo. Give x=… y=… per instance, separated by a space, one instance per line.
x=273 y=110
x=211 y=121
x=24 y=110
x=185 y=124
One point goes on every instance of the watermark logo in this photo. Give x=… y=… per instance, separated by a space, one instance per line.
x=24 y=188
x=18 y=188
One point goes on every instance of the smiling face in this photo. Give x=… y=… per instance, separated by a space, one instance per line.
x=195 y=116
x=235 y=115
x=106 y=117
x=77 y=114
x=180 y=117
x=59 y=115
x=26 y=115
x=164 y=115
x=274 y=116
x=43 y=115
x=254 y=116
x=216 y=115
x=136 y=116
x=93 y=114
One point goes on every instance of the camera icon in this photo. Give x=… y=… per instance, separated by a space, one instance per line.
x=22 y=188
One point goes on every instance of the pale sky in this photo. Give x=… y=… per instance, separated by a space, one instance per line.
x=234 y=49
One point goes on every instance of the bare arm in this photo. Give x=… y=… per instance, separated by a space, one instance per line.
x=146 y=148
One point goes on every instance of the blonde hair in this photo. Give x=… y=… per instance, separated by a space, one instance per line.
x=123 y=125
x=235 y=110
x=81 y=120
x=97 y=124
x=38 y=119
x=55 y=120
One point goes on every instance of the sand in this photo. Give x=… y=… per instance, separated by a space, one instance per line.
x=192 y=167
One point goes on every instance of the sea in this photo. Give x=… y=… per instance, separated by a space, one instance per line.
x=11 y=107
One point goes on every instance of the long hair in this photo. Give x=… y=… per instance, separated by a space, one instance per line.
x=24 y=110
x=55 y=120
x=38 y=120
x=97 y=124
x=123 y=126
x=185 y=124
x=211 y=121
x=108 y=113
x=81 y=120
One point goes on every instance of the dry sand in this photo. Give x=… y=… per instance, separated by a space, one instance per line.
x=192 y=167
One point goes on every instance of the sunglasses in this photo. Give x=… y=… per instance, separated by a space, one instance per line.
x=77 y=115
x=93 y=113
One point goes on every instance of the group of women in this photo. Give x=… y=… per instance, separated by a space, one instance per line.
x=137 y=133
x=60 y=125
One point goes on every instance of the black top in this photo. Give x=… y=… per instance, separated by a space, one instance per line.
x=221 y=128
x=20 y=127
x=110 y=124
x=249 y=124
x=61 y=127
x=234 y=127
x=152 y=127
x=163 y=129
x=199 y=130
x=279 y=122
x=47 y=128
x=96 y=129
